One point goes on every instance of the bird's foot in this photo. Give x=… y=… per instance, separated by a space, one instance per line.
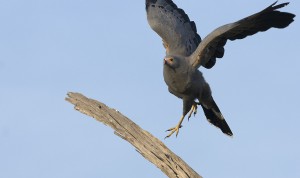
x=193 y=110
x=175 y=129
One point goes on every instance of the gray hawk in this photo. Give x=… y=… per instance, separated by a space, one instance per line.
x=186 y=52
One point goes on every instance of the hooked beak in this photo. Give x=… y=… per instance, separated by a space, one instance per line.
x=167 y=64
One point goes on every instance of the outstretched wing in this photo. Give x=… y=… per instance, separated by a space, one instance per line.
x=212 y=46
x=179 y=34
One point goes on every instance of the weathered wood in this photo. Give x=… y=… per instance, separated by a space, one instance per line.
x=145 y=143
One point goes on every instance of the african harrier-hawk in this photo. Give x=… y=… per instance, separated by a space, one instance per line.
x=186 y=52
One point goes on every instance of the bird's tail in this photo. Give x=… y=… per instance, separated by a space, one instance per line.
x=215 y=117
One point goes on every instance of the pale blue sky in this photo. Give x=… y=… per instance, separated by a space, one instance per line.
x=107 y=51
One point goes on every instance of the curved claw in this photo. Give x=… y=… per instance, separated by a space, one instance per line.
x=172 y=131
x=175 y=129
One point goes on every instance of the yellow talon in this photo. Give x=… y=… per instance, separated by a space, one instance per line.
x=176 y=128
x=193 y=110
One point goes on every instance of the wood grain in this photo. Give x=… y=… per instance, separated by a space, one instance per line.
x=144 y=142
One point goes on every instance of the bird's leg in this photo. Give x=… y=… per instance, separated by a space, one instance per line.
x=187 y=105
x=176 y=128
x=193 y=110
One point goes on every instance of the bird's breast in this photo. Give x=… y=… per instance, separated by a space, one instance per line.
x=178 y=81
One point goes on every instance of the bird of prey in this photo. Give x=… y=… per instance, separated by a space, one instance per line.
x=186 y=52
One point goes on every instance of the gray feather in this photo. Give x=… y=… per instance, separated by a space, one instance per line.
x=212 y=46
x=173 y=26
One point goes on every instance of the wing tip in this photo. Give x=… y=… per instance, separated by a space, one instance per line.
x=278 y=6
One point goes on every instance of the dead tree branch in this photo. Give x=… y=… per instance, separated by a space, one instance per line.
x=145 y=143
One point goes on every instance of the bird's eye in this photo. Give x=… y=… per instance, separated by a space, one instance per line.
x=171 y=59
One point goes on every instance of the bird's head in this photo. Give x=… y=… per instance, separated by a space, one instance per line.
x=172 y=62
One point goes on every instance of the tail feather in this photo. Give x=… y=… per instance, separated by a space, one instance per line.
x=215 y=117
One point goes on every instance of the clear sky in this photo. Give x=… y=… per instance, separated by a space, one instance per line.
x=107 y=51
